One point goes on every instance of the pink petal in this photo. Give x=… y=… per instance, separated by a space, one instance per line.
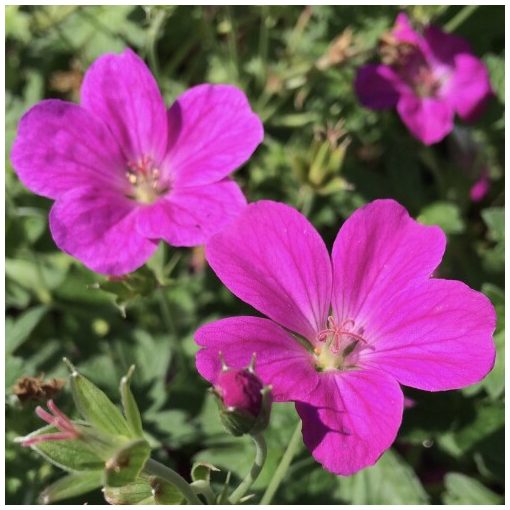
x=380 y=251
x=353 y=418
x=470 y=87
x=435 y=336
x=378 y=86
x=272 y=258
x=404 y=32
x=280 y=360
x=443 y=47
x=121 y=90
x=212 y=132
x=60 y=146
x=429 y=119
x=98 y=227
x=189 y=216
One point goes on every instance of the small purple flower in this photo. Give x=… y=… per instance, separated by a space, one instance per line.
x=125 y=172
x=429 y=78
x=344 y=332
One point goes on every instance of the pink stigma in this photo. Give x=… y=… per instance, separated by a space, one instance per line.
x=67 y=430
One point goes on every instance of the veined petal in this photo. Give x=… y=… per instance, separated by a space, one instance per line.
x=98 y=227
x=272 y=258
x=280 y=360
x=121 y=90
x=189 y=216
x=436 y=336
x=380 y=251
x=378 y=86
x=351 y=419
x=212 y=132
x=429 y=119
x=60 y=146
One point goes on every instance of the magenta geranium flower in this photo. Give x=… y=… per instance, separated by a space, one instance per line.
x=430 y=77
x=126 y=172
x=344 y=333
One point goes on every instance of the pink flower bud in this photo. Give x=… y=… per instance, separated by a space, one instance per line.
x=241 y=390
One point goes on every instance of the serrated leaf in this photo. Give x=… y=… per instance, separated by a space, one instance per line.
x=18 y=330
x=96 y=408
x=72 y=485
x=70 y=455
x=390 y=482
x=126 y=464
x=464 y=490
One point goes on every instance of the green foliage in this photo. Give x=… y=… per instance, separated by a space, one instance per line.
x=450 y=447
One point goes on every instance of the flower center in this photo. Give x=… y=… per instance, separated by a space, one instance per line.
x=145 y=180
x=340 y=345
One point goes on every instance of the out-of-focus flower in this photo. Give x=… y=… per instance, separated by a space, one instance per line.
x=345 y=332
x=481 y=187
x=125 y=172
x=429 y=77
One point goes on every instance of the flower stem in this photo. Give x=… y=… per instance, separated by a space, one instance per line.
x=460 y=17
x=260 y=458
x=155 y=468
x=282 y=468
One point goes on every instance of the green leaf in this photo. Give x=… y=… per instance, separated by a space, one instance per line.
x=131 y=411
x=95 y=407
x=444 y=214
x=202 y=471
x=494 y=383
x=70 y=455
x=18 y=330
x=138 y=492
x=127 y=463
x=390 y=482
x=494 y=218
x=74 y=484
x=464 y=490
x=165 y=493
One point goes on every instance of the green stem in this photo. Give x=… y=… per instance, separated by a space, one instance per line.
x=260 y=458
x=152 y=39
x=282 y=468
x=203 y=487
x=154 y=468
x=460 y=17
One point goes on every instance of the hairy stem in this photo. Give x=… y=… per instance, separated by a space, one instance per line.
x=282 y=468
x=260 y=458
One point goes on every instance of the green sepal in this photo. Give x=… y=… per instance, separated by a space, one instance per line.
x=165 y=493
x=95 y=407
x=131 y=411
x=69 y=454
x=71 y=485
x=126 y=463
x=202 y=471
x=138 y=492
x=262 y=421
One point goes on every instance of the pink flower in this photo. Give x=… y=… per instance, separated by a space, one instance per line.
x=429 y=78
x=344 y=333
x=481 y=187
x=126 y=172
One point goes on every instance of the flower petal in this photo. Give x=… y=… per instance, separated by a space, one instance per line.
x=272 y=258
x=189 y=216
x=380 y=251
x=97 y=227
x=470 y=87
x=212 y=132
x=404 y=32
x=121 y=90
x=353 y=418
x=280 y=360
x=60 y=146
x=378 y=86
x=437 y=336
x=443 y=47
x=429 y=119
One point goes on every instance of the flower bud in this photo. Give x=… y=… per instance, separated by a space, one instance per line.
x=244 y=401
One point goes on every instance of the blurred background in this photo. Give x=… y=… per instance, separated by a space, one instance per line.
x=322 y=153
